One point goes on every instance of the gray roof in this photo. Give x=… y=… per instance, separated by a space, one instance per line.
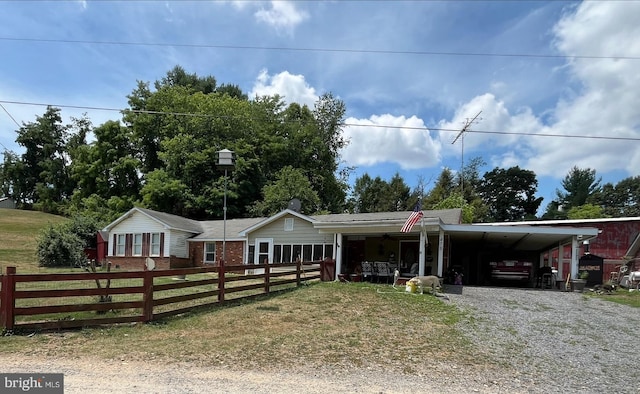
x=214 y=229
x=447 y=216
x=173 y=221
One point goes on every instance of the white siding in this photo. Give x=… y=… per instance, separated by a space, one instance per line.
x=137 y=223
x=175 y=241
x=303 y=233
x=178 y=243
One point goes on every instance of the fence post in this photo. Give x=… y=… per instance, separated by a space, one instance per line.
x=147 y=297
x=221 y=282
x=267 y=274
x=298 y=272
x=7 y=317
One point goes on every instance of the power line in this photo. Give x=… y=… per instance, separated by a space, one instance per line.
x=12 y=118
x=300 y=49
x=424 y=128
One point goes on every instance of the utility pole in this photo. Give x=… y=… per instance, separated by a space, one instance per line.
x=466 y=126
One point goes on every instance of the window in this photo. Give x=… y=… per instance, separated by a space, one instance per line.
x=297 y=252
x=137 y=244
x=277 y=253
x=328 y=251
x=155 y=244
x=318 y=251
x=288 y=224
x=286 y=253
x=252 y=251
x=306 y=252
x=120 y=244
x=209 y=252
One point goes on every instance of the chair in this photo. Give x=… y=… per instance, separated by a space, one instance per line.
x=544 y=277
x=383 y=271
x=367 y=271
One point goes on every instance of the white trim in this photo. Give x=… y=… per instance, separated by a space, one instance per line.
x=566 y=221
x=134 y=253
x=273 y=218
x=204 y=254
x=489 y=228
x=288 y=224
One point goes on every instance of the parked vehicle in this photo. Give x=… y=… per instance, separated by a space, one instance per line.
x=511 y=270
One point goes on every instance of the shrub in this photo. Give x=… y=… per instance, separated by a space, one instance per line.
x=63 y=244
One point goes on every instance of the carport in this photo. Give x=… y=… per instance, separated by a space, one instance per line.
x=472 y=246
x=442 y=242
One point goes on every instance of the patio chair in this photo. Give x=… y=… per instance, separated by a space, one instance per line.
x=383 y=271
x=367 y=271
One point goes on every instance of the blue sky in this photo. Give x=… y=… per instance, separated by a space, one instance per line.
x=410 y=73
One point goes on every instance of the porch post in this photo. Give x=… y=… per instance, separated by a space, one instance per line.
x=422 y=260
x=441 y=252
x=337 y=246
x=560 y=269
x=574 y=256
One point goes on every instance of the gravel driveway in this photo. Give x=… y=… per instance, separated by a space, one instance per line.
x=545 y=342
x=556 y=341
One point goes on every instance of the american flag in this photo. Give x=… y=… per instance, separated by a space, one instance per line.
x=412 y=219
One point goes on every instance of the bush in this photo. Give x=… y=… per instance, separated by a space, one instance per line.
x=63 y=244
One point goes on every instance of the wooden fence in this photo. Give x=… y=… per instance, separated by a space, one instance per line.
x=74 y=300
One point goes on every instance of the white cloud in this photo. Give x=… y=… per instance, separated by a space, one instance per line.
x=292 y=87
x=283 y=15
x=603 y=102
x=370 y=144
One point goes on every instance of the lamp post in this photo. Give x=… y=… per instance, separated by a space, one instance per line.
x=226 y=161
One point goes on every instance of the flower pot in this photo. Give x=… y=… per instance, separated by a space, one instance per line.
x=578 y=285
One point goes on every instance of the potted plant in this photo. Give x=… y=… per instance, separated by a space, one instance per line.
x=580 y=282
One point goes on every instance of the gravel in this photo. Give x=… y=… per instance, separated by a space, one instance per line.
x=554 y=341
x=541 y=341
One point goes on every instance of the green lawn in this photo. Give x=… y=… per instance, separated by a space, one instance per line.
x=19 y=230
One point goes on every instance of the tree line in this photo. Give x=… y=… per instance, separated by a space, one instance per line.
x=161 y=154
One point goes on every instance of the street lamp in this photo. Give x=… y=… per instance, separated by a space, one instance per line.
x=226 y=161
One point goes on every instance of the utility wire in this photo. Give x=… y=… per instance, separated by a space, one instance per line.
x=425 y=128
x=299 y=49
x=12 y=118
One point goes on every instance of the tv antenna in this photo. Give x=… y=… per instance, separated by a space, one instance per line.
x=467 y=125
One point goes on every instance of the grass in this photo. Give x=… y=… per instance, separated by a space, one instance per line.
x=18 y=238
x=348 y=325
x=621 y=296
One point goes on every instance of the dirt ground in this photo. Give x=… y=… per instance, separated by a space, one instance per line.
x=89 y=376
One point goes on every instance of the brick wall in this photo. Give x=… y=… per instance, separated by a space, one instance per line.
x=138 y=263
x=235 y=252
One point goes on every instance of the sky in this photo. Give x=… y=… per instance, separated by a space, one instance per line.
x=555 y=83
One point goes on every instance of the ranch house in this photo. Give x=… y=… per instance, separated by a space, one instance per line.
x=437 y=244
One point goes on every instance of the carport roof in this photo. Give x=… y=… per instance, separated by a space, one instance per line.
x=517 y=236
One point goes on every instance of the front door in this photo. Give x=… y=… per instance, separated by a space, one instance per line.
x=263 y=253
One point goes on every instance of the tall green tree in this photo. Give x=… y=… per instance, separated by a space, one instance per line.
x=398 y=194
x=445 y=185
x=579 y=185
x=290 y=183
x=45 y=162
x=12 y=182
x=510 y=194
x=368 y=194
x=107 y=167
x=619 y=200
x=456 y=200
